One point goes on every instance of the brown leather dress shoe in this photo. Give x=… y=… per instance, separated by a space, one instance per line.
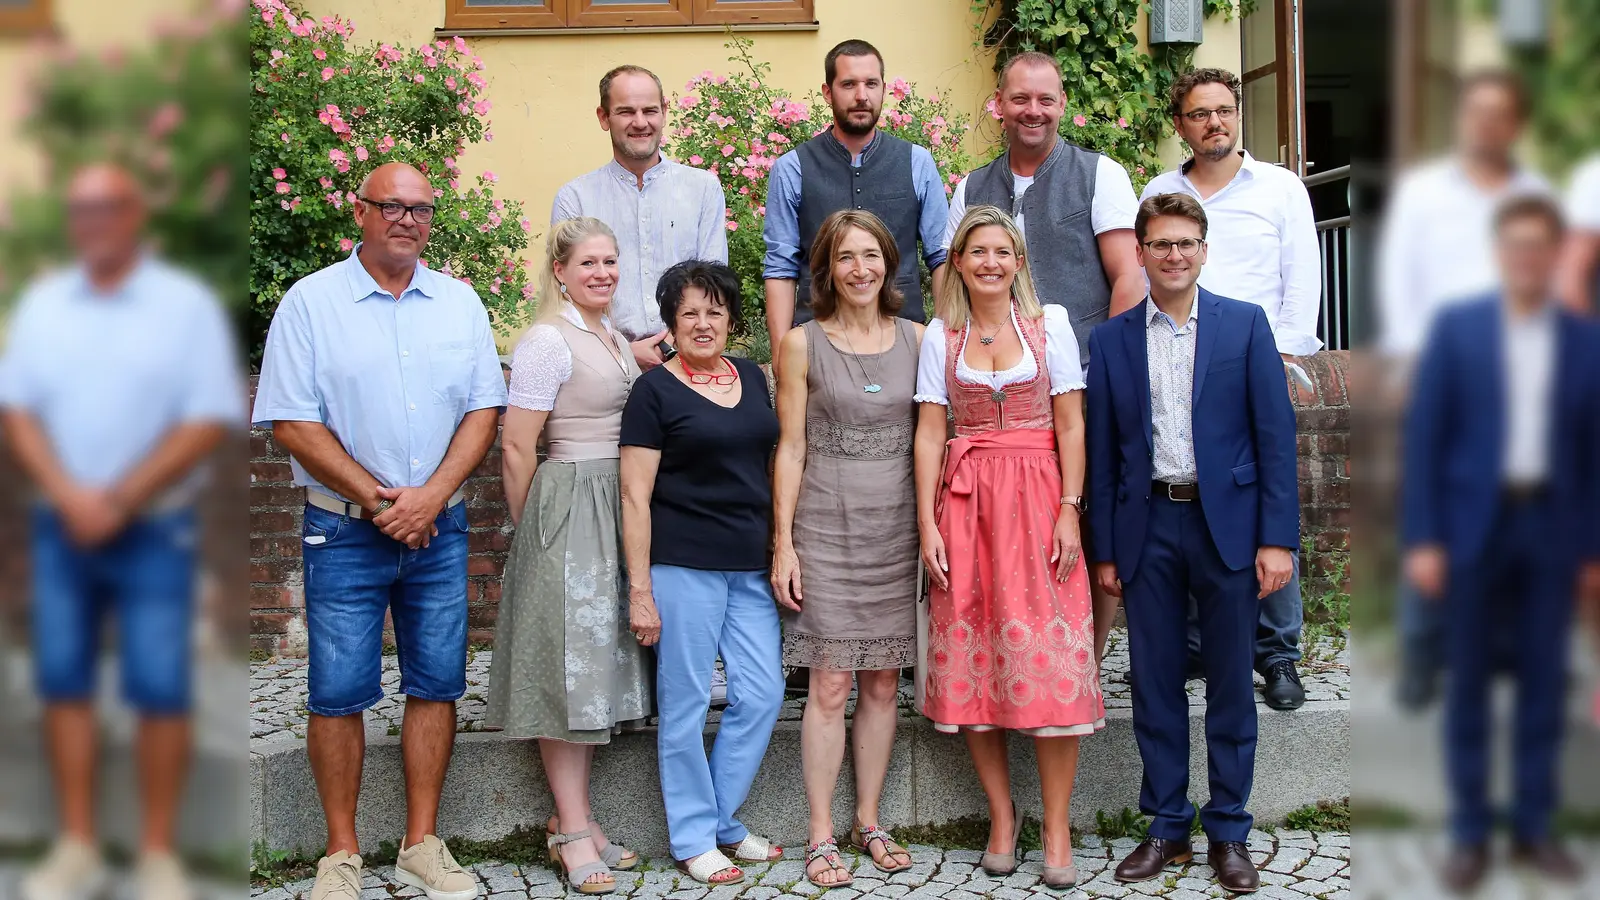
x=1150 y=858
x=1235 y=872
x=1549 y=859
x=1465 y=867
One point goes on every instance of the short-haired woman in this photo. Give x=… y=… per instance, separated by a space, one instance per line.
x=845 y=555
x=1010 y=630
x=697 y=440
x=566 y=669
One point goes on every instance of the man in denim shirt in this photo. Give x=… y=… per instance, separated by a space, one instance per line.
x=382 y=381
x=119 y=379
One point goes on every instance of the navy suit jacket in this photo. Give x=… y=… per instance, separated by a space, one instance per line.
x=1455 y=430
x=1243 y=428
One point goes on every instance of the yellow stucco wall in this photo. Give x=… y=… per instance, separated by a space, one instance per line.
x=90 y=25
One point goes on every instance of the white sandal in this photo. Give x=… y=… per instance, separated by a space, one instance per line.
x=711 y=863
x=754 y=848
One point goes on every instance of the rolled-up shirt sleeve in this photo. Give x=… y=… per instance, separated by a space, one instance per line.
x=287 y=391
x=782 y=228
x=935 y=208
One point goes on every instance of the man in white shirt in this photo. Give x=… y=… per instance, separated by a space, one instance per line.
x=1437 y=243
x=1579 y=282
x=1262 y=250
x=662 y=211
x=1437 y=249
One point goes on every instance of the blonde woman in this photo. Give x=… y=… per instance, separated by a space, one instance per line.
x=1010 y=625
x=566 y=669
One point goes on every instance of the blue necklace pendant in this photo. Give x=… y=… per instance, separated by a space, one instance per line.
x=872 y=388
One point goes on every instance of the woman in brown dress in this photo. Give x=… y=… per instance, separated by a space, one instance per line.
x=845 y=555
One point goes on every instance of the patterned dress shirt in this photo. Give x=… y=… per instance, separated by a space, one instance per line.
x=1171 y=352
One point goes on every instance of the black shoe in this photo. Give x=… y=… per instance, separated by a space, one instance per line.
x=1417 y=690
x=798 y=682
x=1283 y=690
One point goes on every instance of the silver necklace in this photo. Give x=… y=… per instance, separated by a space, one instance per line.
x=872 y=386
x=987 y=340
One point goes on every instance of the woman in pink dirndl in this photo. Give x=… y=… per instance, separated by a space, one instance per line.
x=1010 y=639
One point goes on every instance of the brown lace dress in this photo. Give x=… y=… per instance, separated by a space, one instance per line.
x=855 y=527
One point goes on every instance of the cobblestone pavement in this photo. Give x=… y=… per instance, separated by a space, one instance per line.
x=278 y=691
x=1296 y=865
x=1405 y=866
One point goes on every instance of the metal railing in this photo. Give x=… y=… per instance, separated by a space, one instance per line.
x=1333 y=245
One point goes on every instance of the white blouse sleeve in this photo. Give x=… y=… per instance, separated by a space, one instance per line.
x=541 y=364
x=930 y=366
x=1061 y=351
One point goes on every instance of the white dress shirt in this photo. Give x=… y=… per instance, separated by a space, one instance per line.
x=1437 y=248
x=1261 y=246
x=679 y=214
x=1171 y=360
x=1583 y=200
x=1529 y=345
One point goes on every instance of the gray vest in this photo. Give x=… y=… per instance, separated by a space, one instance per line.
x=1063 y=254
x=882 y=184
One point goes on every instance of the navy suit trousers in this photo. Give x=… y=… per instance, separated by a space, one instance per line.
x=1179 y=558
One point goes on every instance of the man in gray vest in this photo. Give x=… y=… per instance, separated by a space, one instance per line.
x=851 y=165
x=1074 y=205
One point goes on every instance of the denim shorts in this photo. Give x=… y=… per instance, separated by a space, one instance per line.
x=354 y=574
x=146 y=576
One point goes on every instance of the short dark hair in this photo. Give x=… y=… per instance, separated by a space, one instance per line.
x=852 y=47
x=1179 y=205
x=1530 y=206
x=1504 y=79
x=1188 y=81
x=606 y=79
x=717 y=280
x=1028 y=58
x=824 y=294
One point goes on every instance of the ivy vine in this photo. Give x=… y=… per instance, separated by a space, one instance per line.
x=1564 y=79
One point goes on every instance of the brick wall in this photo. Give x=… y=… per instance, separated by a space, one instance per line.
x=277 y=597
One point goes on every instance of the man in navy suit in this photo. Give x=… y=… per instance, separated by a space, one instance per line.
x=1501 y=520
x=1191 y=491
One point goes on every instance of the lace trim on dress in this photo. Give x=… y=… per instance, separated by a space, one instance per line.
x=841 y=440
x=849 y=654
x=541 y=364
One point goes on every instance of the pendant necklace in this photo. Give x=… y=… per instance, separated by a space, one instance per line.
x=872 y=386
x=986 y=340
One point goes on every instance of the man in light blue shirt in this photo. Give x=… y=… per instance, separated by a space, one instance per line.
x=382 y=381
x=850 y=165
x=119 y=378
x=662 y=211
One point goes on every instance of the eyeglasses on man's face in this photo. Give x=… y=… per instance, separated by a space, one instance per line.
x=394 y=212
x=1187 y=248
x=1202 y=116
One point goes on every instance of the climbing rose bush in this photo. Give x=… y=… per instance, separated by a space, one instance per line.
x=737 y=125
x=325 y=111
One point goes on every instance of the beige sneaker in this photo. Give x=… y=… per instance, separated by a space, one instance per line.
x=338 y=877
x=72 y=871
x=430 y=866
x=160 y=877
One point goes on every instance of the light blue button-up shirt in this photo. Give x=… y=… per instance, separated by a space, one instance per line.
x=392 y=379
x=109 y=375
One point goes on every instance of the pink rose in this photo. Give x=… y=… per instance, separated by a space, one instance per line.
x=1122 y=123
x=418 y=78
x=327 y=74
x=320 y=53
x=727 y=150
x=279 y=174
x=361 y=154
x=346 y=244
x=282 y=187
x=481 y=107
x=732 y=225
x=1080 y=121
x=285 y=137
x=696 y=160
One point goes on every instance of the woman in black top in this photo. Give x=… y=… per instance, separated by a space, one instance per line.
x=697 y=436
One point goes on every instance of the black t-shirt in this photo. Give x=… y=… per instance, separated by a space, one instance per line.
x=712 y=505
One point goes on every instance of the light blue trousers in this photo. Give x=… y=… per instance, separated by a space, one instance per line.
x=704 y=614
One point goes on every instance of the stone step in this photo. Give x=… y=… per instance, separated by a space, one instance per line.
x=496 y=784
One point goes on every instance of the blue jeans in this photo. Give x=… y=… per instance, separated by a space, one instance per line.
x=146 y=574
x=703 y=614
x=354 y=573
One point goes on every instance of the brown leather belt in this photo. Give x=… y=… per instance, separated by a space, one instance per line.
x=1182 y=492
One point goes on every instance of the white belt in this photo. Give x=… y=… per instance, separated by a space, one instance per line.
x=355 y=510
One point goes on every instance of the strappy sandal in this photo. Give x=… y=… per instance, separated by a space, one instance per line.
x=578 y=878
x=862 y=838
x=754 y=848
x=707 y=866
x=617 y=857
x=827 y=851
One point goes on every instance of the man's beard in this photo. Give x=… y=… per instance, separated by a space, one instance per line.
x=1220 y=151
x=842 y=122
x=622 y=147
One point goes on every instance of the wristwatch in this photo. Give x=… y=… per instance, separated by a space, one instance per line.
x=1080 y=503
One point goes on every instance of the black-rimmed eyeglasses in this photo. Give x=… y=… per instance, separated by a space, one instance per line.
x=1202 y=116
x=394 y=212
x=1187 y=248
